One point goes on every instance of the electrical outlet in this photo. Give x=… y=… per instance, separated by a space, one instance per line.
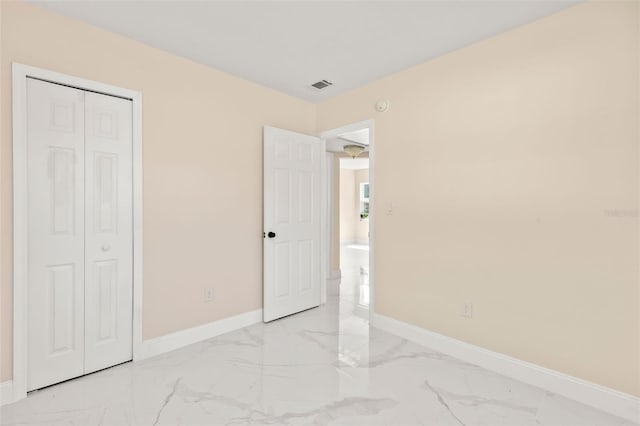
x=467 y=310
x=208 y=295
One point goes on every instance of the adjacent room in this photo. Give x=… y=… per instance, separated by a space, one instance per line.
x=318 y=212
x=354 y=233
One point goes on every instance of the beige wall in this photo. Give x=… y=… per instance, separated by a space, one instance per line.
x=202 y=166
x=347 y=205
x=5 y=278
x=519 y=157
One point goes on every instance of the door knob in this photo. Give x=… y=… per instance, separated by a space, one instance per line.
x=106 y=247
x=271 y=235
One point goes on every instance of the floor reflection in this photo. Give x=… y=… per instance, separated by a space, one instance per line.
x=354 y=285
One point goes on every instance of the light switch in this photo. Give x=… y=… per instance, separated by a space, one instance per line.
x=390 y=208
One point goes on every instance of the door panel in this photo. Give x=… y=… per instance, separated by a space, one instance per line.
x=305 y=259
x=60 y=313
x=292 y=212
x=109 y=232
x=282 y=275
x=55 y=149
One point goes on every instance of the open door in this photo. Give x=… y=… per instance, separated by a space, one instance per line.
x=292 y=227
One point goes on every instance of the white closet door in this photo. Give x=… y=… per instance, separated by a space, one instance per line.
x=109 y=237
x=55 y=146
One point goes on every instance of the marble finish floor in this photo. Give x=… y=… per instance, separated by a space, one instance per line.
x=325 y=366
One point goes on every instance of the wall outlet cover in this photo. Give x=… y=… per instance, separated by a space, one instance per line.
x=208 y=295
x=467 y=310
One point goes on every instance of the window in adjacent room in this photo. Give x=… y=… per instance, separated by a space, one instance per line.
x=364 y=201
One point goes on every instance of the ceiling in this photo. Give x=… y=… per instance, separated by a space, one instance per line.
x=288 y=45
x=358 y=137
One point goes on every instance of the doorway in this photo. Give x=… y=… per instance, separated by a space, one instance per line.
x=350 y=212
x=354 y=233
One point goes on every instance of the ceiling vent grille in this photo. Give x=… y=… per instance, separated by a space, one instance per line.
x=322 y=84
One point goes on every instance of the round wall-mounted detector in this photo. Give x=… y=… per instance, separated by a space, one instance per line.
x=382 y=105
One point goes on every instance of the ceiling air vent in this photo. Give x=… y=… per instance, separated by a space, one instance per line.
x=322 y=84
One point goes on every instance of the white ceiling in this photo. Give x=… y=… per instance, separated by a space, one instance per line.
x=288 y=45
x=358 y=137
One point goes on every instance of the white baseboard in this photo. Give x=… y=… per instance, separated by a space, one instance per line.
x=179 y=339
x=6 y=393
x=606 y=399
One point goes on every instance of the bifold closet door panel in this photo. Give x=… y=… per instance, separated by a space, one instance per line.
x=108 y=231
x=55 y=236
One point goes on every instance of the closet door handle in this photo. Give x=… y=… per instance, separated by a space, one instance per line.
x=106 y=247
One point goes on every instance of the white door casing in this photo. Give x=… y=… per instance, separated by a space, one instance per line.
x=108 y=231
x=292 y=226
x=55 y=148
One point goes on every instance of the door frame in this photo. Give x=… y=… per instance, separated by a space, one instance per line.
x=327 y=209
x=20 y=73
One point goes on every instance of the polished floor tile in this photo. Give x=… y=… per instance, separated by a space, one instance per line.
x=322 y=366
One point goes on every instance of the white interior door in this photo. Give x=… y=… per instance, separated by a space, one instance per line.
x=291 y=222
x=80 y=279
x=108 y=231
x=55 y=146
